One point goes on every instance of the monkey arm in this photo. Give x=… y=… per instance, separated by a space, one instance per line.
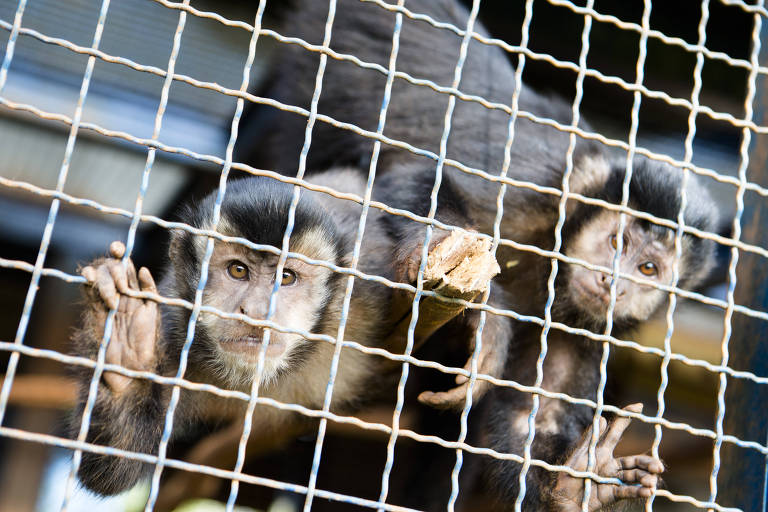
x=128 y=413
x=459 y=266
x=563 y=432
x=558 y=491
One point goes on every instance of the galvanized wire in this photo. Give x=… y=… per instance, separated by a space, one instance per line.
x=741 y=185
x=447 y=125
x=252 y=399
x=11 y=45
x=445 y=90
x=216 y=216
x=131 y=237
x=660 y=402
x=54 y=208
x=575 y=113
x=635 y=120
x=744 y=154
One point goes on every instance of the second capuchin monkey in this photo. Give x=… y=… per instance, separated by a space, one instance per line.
x=581 y=300
x=416 y=115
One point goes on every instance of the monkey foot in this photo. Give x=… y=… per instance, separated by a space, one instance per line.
x=461 y=265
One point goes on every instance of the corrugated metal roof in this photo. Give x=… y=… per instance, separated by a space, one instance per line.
x=48 y=77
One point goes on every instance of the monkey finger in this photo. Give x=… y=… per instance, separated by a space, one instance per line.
x=124 y=275
x=117 y=249
x=633 y=491
x=618 y=426
x=485 y=365
x=451 y=399
x=130 y=271
x=146 y=283
x=638 y=476
x=645 y=462
x=88 y=273
x=463 y=379
x=578 y=459
x=118 y=275
x=105 y=286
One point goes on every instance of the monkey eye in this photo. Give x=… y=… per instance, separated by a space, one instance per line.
x=648 y=269
x=289 y=277
x=615 y=244
x=237 y=270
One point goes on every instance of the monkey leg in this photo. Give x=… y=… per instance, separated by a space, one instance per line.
x=128 y=414
x=640 y=473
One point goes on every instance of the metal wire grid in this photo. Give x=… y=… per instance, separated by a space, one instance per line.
x=37 y=270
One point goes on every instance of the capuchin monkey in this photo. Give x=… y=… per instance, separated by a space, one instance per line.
x=130 y=413
x=581 y=300
x=416 y=115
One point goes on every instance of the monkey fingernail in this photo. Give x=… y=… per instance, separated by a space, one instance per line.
x=146 y=282
x=117 y=249
x=88 y=274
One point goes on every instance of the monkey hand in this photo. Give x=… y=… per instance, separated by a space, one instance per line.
x=640 y=473
x=136 y=326
x=489 y=362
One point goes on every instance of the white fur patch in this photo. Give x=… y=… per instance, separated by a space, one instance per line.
x=589 y=172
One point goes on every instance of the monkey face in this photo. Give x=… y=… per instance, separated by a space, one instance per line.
x=241 y=281
x=647 y=253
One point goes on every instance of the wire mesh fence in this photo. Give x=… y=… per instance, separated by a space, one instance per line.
x=740 y=186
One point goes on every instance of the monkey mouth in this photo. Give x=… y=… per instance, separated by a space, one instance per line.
x=251 y=345
x=591 y=298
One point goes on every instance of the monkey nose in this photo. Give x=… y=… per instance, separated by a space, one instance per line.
x=604 y=284
x=256 y=335
x=253 y=311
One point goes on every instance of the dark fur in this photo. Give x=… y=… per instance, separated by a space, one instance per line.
x=538 y=154
x=257 y=209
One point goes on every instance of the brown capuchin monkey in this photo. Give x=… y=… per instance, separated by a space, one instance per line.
x=130 y=413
